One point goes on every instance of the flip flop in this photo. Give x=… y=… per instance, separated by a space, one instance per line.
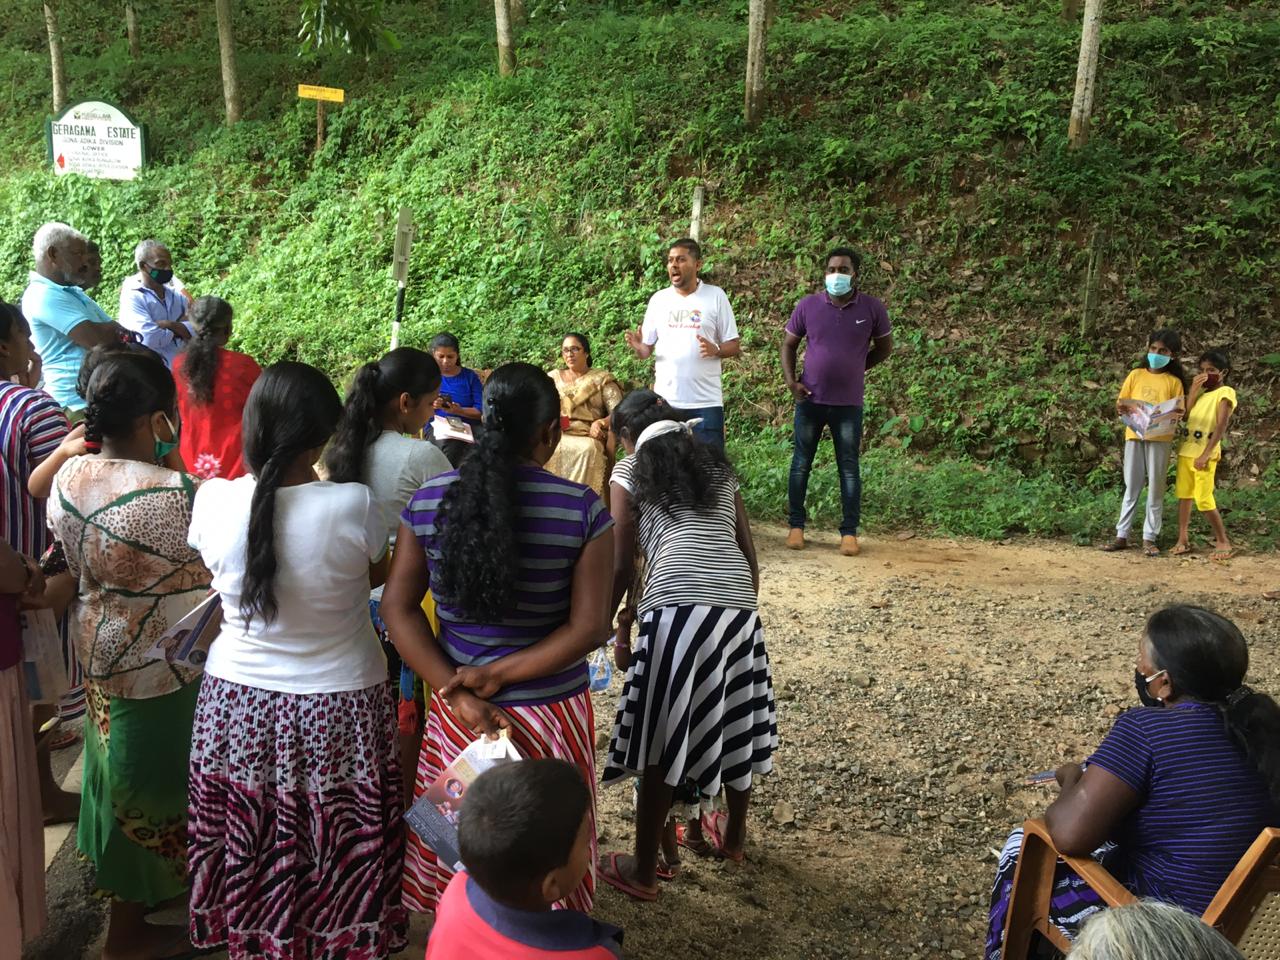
x=1223 y=555
x=1271 y=595
x=667 y=871
x=610 y=874
x=1180 y=551
x=700 y=849
x=713 y=827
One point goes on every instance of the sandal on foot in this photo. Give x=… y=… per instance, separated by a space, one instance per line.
x=667 y=871
x=1223 y=555
x=1271 y=595
x=698 y=847
x=1150 y=550
x=1120 y=543
x=713 y=825
x=610 y=874
x=1180 y=551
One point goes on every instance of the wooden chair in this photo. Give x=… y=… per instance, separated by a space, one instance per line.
x=1246 y=908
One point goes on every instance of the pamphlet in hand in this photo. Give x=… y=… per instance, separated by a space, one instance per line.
x=1153 y=421
x=434 y=816
x=188 y=640
x=445 y=427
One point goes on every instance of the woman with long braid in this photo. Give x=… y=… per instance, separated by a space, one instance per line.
x=520 y=562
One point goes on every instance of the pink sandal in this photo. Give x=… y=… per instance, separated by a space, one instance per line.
x=610 y=874
x=713 y=825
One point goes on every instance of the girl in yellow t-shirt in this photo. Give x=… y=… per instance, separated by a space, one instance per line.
x=1146 y=462
x=1211 y=404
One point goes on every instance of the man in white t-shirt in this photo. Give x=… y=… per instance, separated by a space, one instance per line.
x=688 y=328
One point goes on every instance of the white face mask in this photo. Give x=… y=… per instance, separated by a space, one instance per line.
x=839 y=284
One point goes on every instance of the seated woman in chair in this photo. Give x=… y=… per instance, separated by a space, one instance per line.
x=1179 y=788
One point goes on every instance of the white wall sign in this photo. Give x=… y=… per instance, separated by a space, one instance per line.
x=96 y=139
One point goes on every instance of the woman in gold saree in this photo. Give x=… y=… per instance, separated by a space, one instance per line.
x=587 y=397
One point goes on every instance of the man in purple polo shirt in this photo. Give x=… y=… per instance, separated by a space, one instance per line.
x=848 y=333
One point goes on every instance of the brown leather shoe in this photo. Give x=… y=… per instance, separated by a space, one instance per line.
x=849 y=545
x=1120 y=543
x=795 y=538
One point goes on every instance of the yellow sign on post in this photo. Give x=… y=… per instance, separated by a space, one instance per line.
x=333 y=94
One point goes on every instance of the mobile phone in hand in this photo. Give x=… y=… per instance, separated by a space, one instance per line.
x=1043 y=777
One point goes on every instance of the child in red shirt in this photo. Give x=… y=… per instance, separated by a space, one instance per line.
x=525 y=839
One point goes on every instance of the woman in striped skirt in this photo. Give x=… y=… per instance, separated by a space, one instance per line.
x=520 y=562
x=697 y=706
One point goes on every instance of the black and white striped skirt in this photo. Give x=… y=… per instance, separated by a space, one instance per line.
x=698 y=701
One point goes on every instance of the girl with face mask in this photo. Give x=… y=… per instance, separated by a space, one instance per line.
x=1180 y=787
x=1146 y=458
x=123 y=517
x=1211 y=404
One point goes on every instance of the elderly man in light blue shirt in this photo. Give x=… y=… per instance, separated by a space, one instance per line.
x=150 y=307
x=65 y=321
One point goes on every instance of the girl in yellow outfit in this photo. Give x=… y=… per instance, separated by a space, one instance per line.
x=1146 y=462
x=1211 y=404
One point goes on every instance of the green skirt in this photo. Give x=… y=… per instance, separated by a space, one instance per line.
x=133 y=804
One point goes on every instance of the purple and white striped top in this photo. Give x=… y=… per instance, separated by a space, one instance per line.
x=31 y=427
x=1202 y=802
x=557 y=519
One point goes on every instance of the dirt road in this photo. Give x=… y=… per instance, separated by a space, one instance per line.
x=916 y=684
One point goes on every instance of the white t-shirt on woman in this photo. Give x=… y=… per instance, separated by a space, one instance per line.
x=321 y=640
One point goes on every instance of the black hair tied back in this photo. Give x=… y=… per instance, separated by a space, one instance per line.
x=211 y=318
x=121 y=386
x=1207 y=658
x=479 y=562
x=375 y=385
x=291 y=409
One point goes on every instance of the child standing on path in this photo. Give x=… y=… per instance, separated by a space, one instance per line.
x=1211 y=404
x=1146 y=462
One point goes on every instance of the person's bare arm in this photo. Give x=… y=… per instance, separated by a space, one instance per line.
x=730 y=348
x=1216 y=434
x=790 y=346
x=89 y=334
x=586 y=627
x=881 y=350
x=1088 y=810
x=401 y=610
x=14 y=570
x=40 y=481
x=624 y=543
x=745 y=541
x=378 y=570
x=635 y=340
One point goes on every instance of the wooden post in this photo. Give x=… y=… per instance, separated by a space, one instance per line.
x=506 y=41
x=57 y=64
x=319 y=125
x=1086 y=75
x=757 y=43
x=695 y=220
x=227 y=51
x=1093 y=280
x=131 y=28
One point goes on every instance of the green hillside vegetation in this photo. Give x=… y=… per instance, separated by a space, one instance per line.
x=930 y=135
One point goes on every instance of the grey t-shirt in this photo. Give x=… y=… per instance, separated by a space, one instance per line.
x=394 y=470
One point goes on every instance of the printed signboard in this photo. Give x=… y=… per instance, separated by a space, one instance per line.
x=96 y=139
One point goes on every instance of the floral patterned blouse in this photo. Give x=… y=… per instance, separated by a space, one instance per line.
x=123 y=525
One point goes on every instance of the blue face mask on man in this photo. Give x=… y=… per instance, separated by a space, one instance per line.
x=839 y=284
x=1157 y=361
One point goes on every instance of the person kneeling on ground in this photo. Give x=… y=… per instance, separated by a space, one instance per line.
x=1150 y=930
x=525 y=836
x=1179 y=788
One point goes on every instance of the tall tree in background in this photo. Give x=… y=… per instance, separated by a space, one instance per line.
x=519 y=15
x=227 y=49
x=131 y=28
x=506 y=41
x=59 y=68
x=1086 y=75
x=759 y=20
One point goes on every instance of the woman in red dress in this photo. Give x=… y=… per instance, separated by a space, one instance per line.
x=213 y=385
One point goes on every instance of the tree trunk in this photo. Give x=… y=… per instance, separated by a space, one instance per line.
x=131 y=27
x=519 y=15
x=1086 y=75
x=1092 y=283
x=227 y=49
x=58 y=67
x=1070 y=10
x=759 y=17
x=506 y=42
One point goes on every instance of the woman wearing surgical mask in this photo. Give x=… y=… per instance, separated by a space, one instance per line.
x=1179 y=788
x=123 y=517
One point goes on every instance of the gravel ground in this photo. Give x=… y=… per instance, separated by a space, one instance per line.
x=917 y=684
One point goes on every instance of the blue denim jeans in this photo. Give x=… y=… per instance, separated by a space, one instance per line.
x=846 y=434
x=711 y=429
